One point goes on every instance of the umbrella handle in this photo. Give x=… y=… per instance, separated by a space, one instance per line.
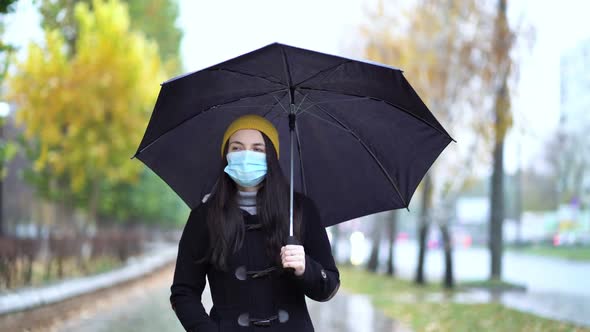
x=291 y=240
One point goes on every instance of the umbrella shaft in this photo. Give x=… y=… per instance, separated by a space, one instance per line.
x=291 y=141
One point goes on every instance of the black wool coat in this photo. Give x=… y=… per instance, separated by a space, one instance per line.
x=244 y=300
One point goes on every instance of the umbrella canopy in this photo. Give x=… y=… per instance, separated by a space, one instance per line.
x=363 y=138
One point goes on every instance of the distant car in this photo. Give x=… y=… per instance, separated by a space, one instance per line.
x=461 y=239
x=402 y=236
x=433 y=244
x=434 y=239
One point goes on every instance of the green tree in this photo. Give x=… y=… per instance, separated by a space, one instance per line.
x=157 y=19
x=59 y=15
x=6 y=50
x=149 y=201
x=84 y=109
x=154 y=18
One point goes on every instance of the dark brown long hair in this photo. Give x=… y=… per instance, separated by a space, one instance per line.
x=225 y=219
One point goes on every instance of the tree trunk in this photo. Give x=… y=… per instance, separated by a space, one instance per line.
x=391 y=232
x=373 y=262
x=2 y=165
x=449 y=281
x=1 y=207
x=93 y=206
x=335 y=238
x=60 y=266
x=28 y=274
x=502 y=122
x=424 y=224
x=519 y=200
x=497 y=211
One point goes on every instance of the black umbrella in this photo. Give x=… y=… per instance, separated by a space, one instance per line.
x=361 y=138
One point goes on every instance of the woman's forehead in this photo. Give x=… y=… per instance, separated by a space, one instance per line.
x=250 y=136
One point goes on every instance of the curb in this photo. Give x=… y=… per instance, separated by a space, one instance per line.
x=28 y=298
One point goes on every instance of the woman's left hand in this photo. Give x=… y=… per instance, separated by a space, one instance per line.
x=293 y=256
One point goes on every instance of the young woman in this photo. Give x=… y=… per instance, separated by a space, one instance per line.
x=236 y=237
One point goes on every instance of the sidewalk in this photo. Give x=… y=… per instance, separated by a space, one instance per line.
x=151 y=312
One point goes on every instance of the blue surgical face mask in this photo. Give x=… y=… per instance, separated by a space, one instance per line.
x=247 y=168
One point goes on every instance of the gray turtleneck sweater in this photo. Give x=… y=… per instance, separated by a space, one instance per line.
x=246 y=200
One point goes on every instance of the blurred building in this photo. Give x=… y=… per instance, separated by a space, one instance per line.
x=472 y=216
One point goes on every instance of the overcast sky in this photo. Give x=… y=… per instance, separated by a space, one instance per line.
x=217 y=30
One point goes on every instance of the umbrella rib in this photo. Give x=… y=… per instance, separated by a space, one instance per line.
x=370 y=153
x=278 y=101
x=300 y=104
x=273 y=106
x=304 y=111
x=331 y=101
x=199 y=114
x=300 y=160
x=326 y=121
x=333 y=68
x=246 y=74
x=248 y=106
x=403 y=109
x=287 y=75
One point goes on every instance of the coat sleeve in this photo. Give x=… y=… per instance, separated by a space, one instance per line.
x=189 y=277
x=321 y=278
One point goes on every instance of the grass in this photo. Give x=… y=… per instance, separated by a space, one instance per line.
x=492 y=285
x=570 y=253
x=104 y=264
x=71 y=269
x=390 y=295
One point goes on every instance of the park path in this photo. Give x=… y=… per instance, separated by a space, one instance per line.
x=147 y=308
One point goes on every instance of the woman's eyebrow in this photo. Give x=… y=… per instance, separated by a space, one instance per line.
x=238 y=142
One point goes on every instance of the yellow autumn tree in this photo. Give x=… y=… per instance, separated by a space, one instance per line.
x=84 y=109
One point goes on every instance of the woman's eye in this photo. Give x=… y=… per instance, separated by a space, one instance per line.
x=235 y=148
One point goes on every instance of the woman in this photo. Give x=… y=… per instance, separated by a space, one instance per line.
x=236 y=237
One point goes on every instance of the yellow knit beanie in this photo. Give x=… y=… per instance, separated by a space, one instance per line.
x=252 y=121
